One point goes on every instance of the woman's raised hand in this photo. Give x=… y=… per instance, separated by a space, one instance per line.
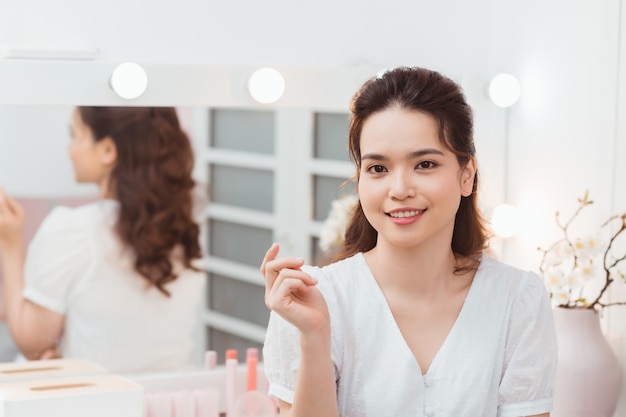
x=11 y=221
x=292 y=293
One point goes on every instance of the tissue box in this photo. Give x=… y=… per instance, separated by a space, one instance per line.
x=102 y=395
x=52 y=368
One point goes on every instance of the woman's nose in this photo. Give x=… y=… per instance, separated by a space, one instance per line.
x=402 y=186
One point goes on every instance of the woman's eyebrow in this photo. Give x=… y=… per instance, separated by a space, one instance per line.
x=427 y=151
x=415 y=154
x=374 y=156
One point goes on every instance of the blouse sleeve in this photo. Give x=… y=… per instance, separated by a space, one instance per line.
x=281 y=351
x=281 y=357
x=56 y=259
x=527 y=384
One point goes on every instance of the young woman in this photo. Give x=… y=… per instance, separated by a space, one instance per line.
x=414 y=319
x=113 y=281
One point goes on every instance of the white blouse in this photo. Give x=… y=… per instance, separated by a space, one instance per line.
x=499 y=359
x=77 y=267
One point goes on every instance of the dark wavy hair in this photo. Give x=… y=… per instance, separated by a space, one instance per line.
x=427 y=91
x=152 y=181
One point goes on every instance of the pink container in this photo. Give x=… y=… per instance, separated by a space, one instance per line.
x=588 y=374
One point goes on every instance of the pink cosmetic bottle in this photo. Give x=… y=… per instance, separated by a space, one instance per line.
x=231 y=381
x=210 y=359
x=207 y=402
x=184 y=405
x=253 y=403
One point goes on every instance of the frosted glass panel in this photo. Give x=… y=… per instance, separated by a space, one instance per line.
x=242 y=187
x=325 y=190
x=316 y=252
x=331 y=136
x=239 y=243
x=243 y=130
x=220 y=341
x=238 y=299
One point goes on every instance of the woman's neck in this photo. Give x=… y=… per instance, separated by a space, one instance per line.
x=105 y=190
x=415 y=270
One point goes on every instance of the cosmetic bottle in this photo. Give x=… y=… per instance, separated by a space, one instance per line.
x=184 y=404
x=210 y=359
x=253 y=403
x=231 y=381
x=207 y=402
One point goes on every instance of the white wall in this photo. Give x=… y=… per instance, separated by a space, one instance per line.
x=562 y=132
x=241 y=32
x=33 y=152
x=567 y=134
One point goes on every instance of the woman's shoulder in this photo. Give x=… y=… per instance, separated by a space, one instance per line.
x=495 y=268
x=341 y=277
x=87 y=211
x=79 y=218
x=339 y=268
x=60 y=218
x=498 y=274
x=67 y=230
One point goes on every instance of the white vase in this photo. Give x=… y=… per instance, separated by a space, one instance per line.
x=588 y=374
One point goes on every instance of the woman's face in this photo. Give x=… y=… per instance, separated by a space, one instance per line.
x=90 y=159
x=410 y=183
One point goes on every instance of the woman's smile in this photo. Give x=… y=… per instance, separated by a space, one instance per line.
x=405 y=216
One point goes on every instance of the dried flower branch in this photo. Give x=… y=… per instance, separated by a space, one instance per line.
x=568 y=265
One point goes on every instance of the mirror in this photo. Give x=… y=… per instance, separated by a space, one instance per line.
x=247 y=154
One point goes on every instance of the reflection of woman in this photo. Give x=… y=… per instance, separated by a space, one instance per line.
x=112 y=281
x=415 y=319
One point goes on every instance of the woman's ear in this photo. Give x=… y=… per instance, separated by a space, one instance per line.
x=467 y=177
x=108 y=151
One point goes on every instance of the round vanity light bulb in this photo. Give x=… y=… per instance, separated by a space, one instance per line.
x=505 y=220
x=504 y=90
x=129 y=80
x=266 y=85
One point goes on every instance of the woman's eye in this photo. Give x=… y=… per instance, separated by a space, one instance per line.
x=377 y=169
x=426 y=165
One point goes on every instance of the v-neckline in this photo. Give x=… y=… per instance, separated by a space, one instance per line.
x=453 y=330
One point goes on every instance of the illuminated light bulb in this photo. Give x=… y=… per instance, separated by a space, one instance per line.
x=266 y=85
x=504 y=90
x=129 y=80
x=505 y=220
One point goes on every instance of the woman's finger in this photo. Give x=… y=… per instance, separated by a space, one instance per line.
x=300 y=304
x=283 y=295
x=9 y=207
x=271 y=265
x=3 y=201
x=15 y=207
x=285 y=274
x=274 y=267
x=269 y=255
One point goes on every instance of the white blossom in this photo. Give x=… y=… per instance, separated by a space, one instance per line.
x=334 y=227
x=554 y=278
x=558 y=254
x=573 y=267
x=589 y=246
x=585 y=271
